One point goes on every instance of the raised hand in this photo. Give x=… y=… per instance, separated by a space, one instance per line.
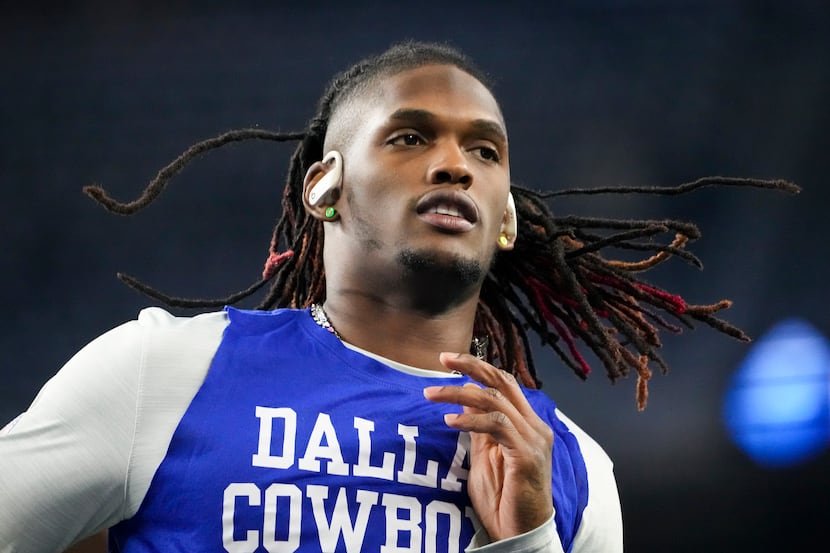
x=511 y=447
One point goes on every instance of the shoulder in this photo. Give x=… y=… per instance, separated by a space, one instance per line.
x=593 y=452
x=162 y=334
x=175 y=356
x=156 y=319
x=117 y=363
x=155 y=354
x=83 y=453
x=126 y=346
x=109 y=367
x=601 y=526
x=250 y=322
x=546 y=408
x=109 y=412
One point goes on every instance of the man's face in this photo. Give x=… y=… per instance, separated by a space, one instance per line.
x=426 y=172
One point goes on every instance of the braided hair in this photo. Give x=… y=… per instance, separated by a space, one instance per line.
x=555 y=282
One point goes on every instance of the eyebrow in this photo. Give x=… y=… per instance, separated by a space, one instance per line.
x=423 y=116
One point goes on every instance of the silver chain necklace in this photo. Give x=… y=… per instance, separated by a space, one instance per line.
x=477 y=348
x=320 y=317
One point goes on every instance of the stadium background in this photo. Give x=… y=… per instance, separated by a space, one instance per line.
x=594 y=93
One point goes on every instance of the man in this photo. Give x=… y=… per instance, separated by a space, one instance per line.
x=360 y=422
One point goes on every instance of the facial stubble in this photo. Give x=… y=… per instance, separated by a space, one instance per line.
x=437 y=278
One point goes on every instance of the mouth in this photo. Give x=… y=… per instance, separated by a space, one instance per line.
x=448 y=210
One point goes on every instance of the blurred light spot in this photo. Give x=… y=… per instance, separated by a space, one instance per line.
x=777 y=408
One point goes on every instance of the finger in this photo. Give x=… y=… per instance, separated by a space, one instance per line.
x=500 y=380
x=495 y=425
x=484 y=410
x=472 y=397
x=490 y=376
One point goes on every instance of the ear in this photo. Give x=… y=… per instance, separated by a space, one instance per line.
x=509 y=225
x=321 y=187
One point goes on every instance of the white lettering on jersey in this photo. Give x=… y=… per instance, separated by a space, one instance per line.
x=457 y=471
x=409 y=526
x=263 y=456
x=251 y=541
x=399 y=529
x=407 y=474
x=324 y=444
x=363 y=467
x=324 y=430
x=341 y=520
x=434 y=509
x=269 y=529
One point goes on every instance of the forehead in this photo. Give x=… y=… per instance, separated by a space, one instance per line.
x=437 y=88
x=442 y=90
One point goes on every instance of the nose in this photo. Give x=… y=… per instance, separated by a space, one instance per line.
x=450 y=167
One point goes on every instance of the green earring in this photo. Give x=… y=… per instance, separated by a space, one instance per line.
x=330 y=212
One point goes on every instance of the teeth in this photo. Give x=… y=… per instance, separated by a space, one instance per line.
x=442 y=209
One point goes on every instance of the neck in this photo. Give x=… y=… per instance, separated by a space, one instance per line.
x=400 y=330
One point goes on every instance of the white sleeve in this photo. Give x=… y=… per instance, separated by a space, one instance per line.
x=81 y=458
x=601 y=529
x=543 y=539
x=63 y=463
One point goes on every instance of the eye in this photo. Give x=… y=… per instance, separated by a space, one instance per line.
x=407 y=139
x=487 y=153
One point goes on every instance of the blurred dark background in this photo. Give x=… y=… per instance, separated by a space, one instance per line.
x=595 y=93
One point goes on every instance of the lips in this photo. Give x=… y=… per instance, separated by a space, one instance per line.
x=448 y=210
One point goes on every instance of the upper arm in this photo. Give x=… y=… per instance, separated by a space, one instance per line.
x=64 y=462
x=82 y=457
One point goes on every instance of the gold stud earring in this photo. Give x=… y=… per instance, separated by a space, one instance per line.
x=504 y=240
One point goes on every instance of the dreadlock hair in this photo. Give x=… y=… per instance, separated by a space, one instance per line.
x=555 y=281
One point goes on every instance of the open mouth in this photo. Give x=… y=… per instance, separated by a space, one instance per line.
x=449 y=210
x=444 y=209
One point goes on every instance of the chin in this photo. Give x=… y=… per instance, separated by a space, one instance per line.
x=442 y=268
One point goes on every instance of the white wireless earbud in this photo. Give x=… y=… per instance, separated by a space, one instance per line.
x=330 y=181
x=510 y=226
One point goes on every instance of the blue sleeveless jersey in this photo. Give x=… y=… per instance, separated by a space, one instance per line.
x=296 y=443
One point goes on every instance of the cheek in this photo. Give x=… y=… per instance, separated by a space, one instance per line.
x=376 y=205
x=377 y=189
